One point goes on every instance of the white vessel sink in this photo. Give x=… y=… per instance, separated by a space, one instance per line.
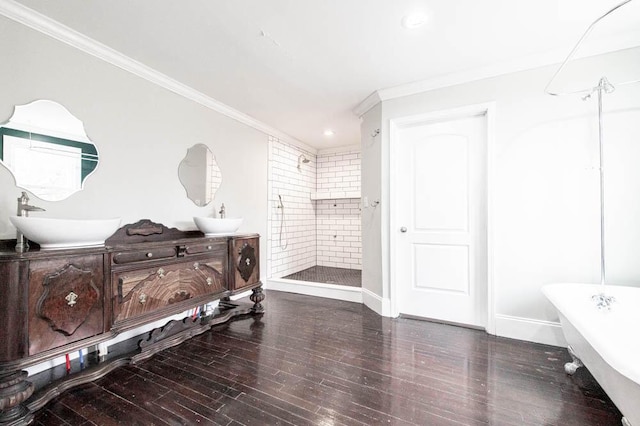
x=212 y=226
x=65 y=233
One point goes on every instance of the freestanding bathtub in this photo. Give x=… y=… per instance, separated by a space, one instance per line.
x=606 y=341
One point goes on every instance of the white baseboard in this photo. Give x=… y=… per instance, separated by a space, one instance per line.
x=376 y=303
x=330 y=291
x=546 y=332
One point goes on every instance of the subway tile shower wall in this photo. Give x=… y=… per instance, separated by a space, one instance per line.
x=339 y=172
x=292 y=245
x=325 y=232
x=339 y=242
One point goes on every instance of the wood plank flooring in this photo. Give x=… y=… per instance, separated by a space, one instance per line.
x=315 y=361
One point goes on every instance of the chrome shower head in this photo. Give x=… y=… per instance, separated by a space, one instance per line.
x=302 y=159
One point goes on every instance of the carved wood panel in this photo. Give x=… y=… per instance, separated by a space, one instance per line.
x=68 y=297
x=245 y=255
x=65 y=301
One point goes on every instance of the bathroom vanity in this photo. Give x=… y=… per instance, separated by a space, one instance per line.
x=56 y=302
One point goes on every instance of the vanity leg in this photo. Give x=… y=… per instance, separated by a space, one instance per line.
x=257 y=296
x=14 y=390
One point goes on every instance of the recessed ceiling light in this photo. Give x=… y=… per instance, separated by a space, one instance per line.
x=329 y=132
x=414 y=20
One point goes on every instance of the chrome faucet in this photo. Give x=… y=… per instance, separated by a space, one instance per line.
x=23 y=210
x=222 y=211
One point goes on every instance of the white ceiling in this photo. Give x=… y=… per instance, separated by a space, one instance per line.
x=303 y=66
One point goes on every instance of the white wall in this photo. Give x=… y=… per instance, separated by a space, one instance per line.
x=544 y=186
x=375 y=286
x=142 y=132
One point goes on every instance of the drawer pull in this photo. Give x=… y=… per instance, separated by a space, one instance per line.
x=149 y=254
x=196 y=266
x=209 y=280
x=142 y=299
x=160 y=273
x=71 y=298
x=209 y=247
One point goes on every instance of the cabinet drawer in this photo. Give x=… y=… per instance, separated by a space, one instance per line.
x=151 y=254
x=213 y=246
x=142 y=292
x=65 y=301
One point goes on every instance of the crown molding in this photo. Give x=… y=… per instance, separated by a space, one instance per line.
x=609 y=44
x=54 y=29
x=368 y=103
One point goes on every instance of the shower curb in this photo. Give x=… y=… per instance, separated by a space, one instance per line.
x=329 y=291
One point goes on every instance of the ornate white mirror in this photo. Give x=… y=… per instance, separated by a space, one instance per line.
x=47 y=150
x=199 y=174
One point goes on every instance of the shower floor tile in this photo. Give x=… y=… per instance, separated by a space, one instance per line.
x=329 y=275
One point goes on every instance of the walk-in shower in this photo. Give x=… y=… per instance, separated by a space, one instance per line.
x=314 y=229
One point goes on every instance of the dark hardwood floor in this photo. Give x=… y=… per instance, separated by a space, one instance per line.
x=314 y=361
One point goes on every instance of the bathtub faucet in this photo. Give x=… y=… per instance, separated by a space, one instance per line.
x=603 y=301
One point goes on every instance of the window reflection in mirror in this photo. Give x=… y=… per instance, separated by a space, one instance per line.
x=199 y=174
x=46 y=149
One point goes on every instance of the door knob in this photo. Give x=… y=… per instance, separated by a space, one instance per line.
x=403 y=229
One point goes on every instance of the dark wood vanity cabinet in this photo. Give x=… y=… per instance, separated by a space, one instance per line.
x=56 y=302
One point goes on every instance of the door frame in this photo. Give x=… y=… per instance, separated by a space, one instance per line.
x=488 y=110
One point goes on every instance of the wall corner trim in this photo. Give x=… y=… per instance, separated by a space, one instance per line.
x=54 y=29
x=376 y=303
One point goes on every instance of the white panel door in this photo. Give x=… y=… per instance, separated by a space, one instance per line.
x=440 y=219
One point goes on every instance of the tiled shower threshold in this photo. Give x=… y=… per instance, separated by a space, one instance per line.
x=329 y=275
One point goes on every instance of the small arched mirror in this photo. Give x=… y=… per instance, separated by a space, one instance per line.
x=47 y=150
x=199 y=174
